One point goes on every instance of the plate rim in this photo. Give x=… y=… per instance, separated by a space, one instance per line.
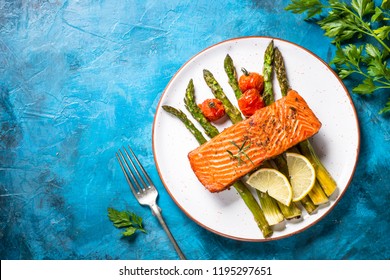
x=330 y=207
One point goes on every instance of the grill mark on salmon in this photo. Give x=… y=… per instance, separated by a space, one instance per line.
x=268 y=133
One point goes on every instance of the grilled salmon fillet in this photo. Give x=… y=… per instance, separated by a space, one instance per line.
x=242 y=147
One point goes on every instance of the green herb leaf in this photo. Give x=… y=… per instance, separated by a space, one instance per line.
x=363 y=7
x=129 y=231
x=372 y=51
x=385 y=4
x=383 y=32
x=367 y=87
x=120 y=219
x=136 y=220
x=125 y=219
x=311 y=7
x=378 y=15
x=386 y=109
x=344 y=73
x=353 y=54
x=340 y=57
x=377 y=66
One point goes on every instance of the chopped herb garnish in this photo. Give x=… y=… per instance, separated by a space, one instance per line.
x=240 y=153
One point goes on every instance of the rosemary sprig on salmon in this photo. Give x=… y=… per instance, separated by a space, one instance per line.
x=240 y=153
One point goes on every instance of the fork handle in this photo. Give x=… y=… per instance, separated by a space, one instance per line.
x=157 y=212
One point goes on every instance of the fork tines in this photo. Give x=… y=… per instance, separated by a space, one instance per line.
x=136 y=181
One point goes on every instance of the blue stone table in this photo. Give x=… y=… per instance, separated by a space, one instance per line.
x=79 y=79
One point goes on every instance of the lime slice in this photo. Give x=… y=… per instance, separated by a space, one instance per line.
x=272 y=181
x=302 y=175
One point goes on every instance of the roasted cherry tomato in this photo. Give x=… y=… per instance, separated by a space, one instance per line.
x=250 y=102
x=251 y=80
x=212 y=109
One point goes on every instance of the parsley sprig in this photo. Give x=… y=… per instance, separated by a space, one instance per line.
x=344 y=23
x=126 y=219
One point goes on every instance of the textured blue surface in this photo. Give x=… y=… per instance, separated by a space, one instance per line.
x=78 y=79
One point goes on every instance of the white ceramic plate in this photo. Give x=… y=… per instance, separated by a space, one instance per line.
x=337 y=142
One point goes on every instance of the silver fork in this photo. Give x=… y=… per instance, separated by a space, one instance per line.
x=143 y=189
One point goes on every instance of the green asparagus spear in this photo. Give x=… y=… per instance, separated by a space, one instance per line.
x=326 y=181
x=281 y=73
x=243 y=191
x=268 y=93
x=190 y=126
x=233 y=113
x=270 y=208
x=193 y=108
x=290 y=212
x=254 y=207
x=308 y=204
x=232 y=75
x=317 y=194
